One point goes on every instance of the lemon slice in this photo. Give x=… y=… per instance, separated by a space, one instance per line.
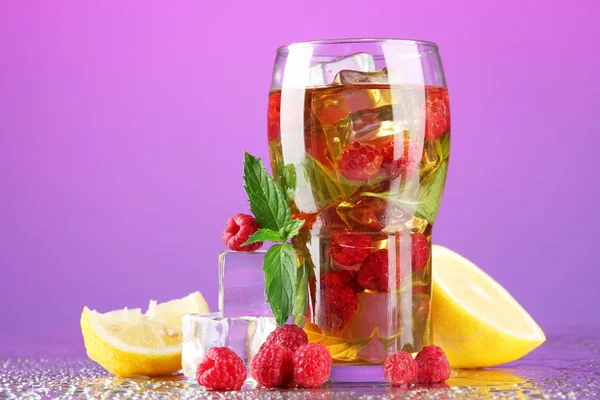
x=474 y=319
x=170 y=312
x=126 y=342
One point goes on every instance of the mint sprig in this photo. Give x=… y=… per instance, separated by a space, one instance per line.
x=280 y=266
x=269 y=204
x=264 y=235
x=291 y=228
x=286 y=177
x=301 y=294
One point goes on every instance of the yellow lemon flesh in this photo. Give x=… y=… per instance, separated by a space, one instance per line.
x=127 y=343
x=475 y=320
x=170 y=312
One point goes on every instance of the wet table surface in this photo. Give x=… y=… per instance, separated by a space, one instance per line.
x=567 y=366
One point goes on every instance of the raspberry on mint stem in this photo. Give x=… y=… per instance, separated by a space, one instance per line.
x=239 y=228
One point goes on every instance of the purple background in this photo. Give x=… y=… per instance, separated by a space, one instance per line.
x=122 y=126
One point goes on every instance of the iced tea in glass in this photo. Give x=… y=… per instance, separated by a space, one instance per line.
x=359 y=135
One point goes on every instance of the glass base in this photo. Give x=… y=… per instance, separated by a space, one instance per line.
x=356 y=373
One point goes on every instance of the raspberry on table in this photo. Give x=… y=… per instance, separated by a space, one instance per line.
x=272 y=366
x=312 y=365
x=420 y=251
x=290 y=336
x=400 y=369
x=359 y=162
x=374 y=272
x=338 y=306
x=432 y=364
x=350 y=248
x=239 y=228
x=437 y=385
x=221 y=369
x=405 y=163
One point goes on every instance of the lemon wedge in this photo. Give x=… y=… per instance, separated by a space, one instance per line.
x=126 y=342
x=474 y=319
x=170 y=312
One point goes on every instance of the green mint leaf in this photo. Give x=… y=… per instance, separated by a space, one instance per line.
x=300 y=243
x=286 y=177
x=422 y=200
x=267 y=202
x=291 y=229
x=430 y=194
x=280 y=266
x=264 y=235
x=327 y=186
x=290 y=176
x=300 y=299
x=442 y=146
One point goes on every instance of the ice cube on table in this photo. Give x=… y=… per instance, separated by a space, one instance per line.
x=355 y=77
x=243 y=334
x=325 y=73
x=242 y=284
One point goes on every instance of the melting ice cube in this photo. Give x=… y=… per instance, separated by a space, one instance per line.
x=244 y=335
x=325 y=73
x=357 y=77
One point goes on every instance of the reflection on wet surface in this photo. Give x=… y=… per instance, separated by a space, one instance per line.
x=564 y=368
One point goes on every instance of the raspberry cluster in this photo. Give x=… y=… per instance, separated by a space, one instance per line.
x=430 y=366
x=396 y=156
x=361 y=266
x=287 y=359
x=351 y=251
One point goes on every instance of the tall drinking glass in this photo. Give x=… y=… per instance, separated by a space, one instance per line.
x=359 y=136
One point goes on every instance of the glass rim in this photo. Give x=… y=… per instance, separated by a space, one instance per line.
x=317 y=43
